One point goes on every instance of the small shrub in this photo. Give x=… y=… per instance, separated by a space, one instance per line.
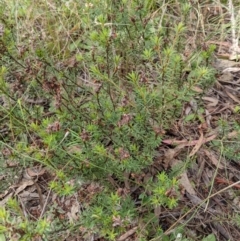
x=90 y=88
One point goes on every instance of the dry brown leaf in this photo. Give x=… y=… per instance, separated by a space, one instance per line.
x=117 y=221
x=222 y=64
x=127 y=234
x=208 y=117
x=157 y=211
x=197 y=89
x=125 y=119
x=233 y=134
x=2 y=202
x=187 y=143
x=188 y=110
x=193 y=104
x=74 y=149
x=198 y=145
x=184 y=181
x=34 y=172
x=233 y=97
x=170 y=154
x=174 y=141
x=211 y=156
x=74 y=210
x=227 y=77
x=226 y=44
x=214 y=101
x=12 y=163
x=27 y=196
x=210 y=138
x=24 y=185
x=231 y=69
x=222 y=180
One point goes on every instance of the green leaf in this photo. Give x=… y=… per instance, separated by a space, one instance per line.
x=190 y=117
x=3 y=229
x=2 y=237
x=210 y=237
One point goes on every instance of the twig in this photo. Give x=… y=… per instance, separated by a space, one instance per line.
x=127 y=234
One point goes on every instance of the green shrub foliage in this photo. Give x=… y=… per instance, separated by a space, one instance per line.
x=90 y=87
